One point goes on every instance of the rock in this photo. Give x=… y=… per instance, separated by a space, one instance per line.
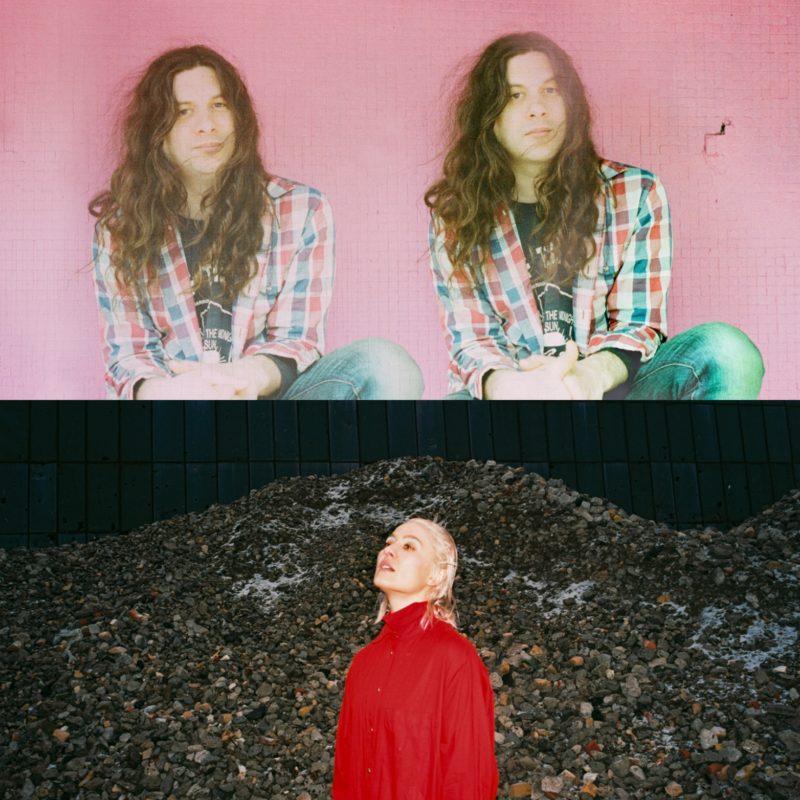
x=792 y=741
x=256 y=713
x=631 y=687
x=61 y=734
x=621 y=766
x=520 y=790
x=673 y=789
x=729 y=753
x=710 y=736
x=552 y=783
x=746 y=772
x=637 y=772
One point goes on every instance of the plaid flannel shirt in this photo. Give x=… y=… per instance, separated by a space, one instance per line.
x=281 y=312
x=620 y=301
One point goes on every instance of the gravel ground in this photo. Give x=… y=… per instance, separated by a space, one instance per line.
x=205 y=656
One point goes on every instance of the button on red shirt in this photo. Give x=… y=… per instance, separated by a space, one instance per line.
x=417 y=718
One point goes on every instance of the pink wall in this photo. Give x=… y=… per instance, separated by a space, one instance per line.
x=351 y=97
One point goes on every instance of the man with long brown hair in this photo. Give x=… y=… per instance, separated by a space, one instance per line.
x=552 y=265
x=214 y=277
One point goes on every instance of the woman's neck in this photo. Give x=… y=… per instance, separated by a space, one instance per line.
x=397 y=602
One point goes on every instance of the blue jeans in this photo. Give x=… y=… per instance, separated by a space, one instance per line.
x=711 y=361
x=369 y=369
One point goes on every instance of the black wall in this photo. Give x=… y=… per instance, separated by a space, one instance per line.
x=72 y=471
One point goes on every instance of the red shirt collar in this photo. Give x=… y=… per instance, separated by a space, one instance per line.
x=407 y=619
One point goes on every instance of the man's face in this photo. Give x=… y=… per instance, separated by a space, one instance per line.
x=202 y=138
x=532 y=126
x=407 y=563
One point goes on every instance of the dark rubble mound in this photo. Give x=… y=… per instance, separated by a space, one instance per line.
x=205 y=656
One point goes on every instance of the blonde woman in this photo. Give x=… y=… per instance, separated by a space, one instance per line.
x=417 y=719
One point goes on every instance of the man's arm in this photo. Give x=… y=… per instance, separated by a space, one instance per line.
x=294 y=330
x=637 y=299
x=247 y=378
x=538 y=378
x=480 y=352
x=474 y=334
x=295 y=322
x=137 y=365
x=595 y=375
x=132 y=348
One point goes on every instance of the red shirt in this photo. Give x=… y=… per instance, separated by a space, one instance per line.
x=417 y=719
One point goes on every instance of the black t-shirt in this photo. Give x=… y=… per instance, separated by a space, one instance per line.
x=213 y=313
x=554 y=297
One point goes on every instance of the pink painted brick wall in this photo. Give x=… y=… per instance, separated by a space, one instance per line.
x=352 y=96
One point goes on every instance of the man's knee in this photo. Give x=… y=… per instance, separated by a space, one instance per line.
x=389 y=371
x=733 y=356
x=733 y=346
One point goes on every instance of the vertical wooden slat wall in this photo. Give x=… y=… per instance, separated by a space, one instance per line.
x=74 y=471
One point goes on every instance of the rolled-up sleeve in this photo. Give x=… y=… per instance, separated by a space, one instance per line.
x=636 y=304
x=474 y=334
x=132 y=347
x=295 y=325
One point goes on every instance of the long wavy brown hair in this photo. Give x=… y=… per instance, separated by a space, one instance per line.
x=478 y=182
x=147 y=194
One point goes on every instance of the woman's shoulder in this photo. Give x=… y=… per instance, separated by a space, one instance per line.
x=454 y=644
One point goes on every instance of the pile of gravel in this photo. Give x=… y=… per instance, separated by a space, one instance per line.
x=205 y=656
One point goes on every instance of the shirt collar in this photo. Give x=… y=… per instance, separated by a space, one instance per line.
x=610 y=169
x=407 y=619
x=277 y=186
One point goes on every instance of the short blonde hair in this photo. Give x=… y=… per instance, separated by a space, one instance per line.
x=441 y=603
